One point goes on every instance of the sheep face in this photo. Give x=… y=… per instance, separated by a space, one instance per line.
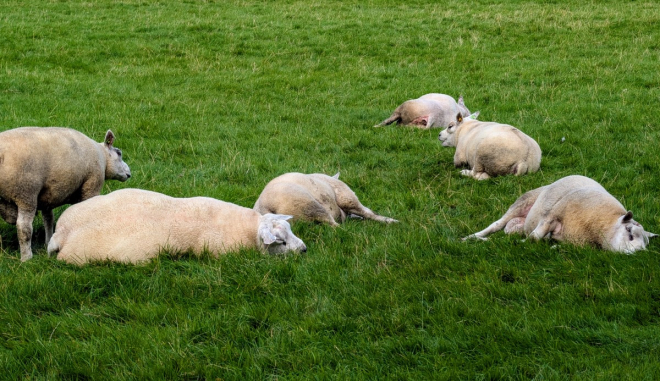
x=448 y=135
x=276 y=235
x=115 y=168
x=629 y=235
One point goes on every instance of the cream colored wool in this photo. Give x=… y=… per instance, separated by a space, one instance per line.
x=490 y=149
x=428 y=111
x=573 y=209
x=313 y=197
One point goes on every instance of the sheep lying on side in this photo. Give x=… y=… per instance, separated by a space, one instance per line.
x=43 y=168
x=134 y=225
x=427 y=111
x=573 y=209
x=314 y=197
x=490 y=149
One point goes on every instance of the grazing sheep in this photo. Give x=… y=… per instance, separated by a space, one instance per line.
x=490 y=149
x=573 y=209
x=314 y=197
x=427 y=111
x=134 y=225
x=43 y=168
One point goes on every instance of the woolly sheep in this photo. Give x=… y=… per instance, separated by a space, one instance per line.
x=134 y=225
x=573 y=209
x=490 y=149
x=42 y=168
x=314 y=197
x=427 y=111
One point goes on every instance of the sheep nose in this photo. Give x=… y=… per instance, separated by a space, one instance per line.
x=304 y=249
x=128 y=176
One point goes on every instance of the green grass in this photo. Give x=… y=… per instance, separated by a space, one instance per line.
x=216 y=98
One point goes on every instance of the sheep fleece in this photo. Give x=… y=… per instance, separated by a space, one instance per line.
x=492 y=149
x=133 y=225
x=313 y=197
x=573 y=209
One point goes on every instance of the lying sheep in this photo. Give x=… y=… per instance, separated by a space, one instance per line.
x=573 y=209
x=490 y=149
x=314 y=197
x=427 y=111
x=134 y=225
x=43 y=168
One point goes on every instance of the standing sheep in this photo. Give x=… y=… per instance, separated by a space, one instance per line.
x=573 y=209
x=314 y=197
x=134 y=225
x=43 y=168
x=428 y=111
x=490 y=149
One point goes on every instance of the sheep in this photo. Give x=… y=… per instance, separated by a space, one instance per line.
x=42 y=168
x=490 y=149
x=135 y=225
x=574 y=209
x=313 y=197
x=428 y=111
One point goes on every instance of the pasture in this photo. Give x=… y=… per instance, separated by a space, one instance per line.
x=215 y=98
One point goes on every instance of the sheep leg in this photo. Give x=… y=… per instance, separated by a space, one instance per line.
x=311 y=210
x=395 y=117
x=545 y=228
x=47 y=215
x=474 y=174
x=91 y=187
x=364 y=212
x=514 y=219
x=349 y=204
x=24 y=230
x=492 y=228
x=8 y=211
x=316 y=212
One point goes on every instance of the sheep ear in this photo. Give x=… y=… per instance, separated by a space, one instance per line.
x=268 y=217
x=283 y=217
x=627 y=217
x=109 y=138
x=336 y=176
x=461 y=101
x=264 y=233
x=474 y=116
x=650 y=235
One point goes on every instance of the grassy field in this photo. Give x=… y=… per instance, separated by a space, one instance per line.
x=216 y=98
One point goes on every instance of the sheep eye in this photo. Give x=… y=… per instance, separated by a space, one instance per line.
x=631 y=237
x=284 y=243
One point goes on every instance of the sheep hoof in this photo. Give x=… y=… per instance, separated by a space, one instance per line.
x=472 y=236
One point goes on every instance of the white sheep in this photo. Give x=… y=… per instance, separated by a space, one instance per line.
x=135 y=225
x=573 y=209
x=42 y=168
x=313 y=197
x=427 y=111
x=490 y=149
